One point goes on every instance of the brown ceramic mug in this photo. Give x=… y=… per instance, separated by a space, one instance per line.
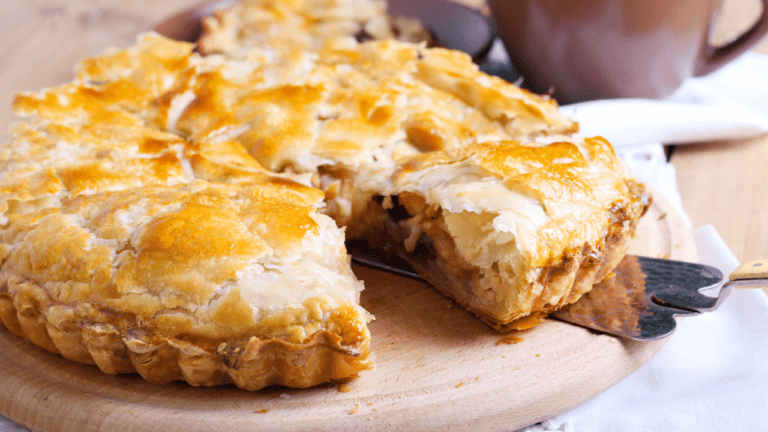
x=595 y=49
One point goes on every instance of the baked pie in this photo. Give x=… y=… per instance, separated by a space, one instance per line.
x=184 y=215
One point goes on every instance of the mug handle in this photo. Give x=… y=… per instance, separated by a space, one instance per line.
x=712 y=58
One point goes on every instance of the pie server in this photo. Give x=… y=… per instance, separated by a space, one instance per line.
x=639 y=300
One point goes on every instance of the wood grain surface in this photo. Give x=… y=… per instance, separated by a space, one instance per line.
x=437 y=368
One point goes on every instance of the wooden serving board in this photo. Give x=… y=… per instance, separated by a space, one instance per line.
x=437 y=368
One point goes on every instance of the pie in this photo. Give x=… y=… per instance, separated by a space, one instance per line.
x=184 y=215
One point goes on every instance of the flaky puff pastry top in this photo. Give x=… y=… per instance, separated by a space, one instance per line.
x=111 y=220
x=349 y=103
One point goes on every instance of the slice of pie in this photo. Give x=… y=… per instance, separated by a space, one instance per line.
x=512 y=230
x=183 y=215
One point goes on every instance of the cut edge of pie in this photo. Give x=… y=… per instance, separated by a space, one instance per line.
x=505 y=235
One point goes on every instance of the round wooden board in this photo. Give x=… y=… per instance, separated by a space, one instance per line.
x=437 y=367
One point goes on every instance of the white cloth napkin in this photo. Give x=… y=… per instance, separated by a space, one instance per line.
x=626 y=122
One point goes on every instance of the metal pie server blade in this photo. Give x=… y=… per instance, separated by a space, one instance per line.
x=642 y=297
x=639 y=300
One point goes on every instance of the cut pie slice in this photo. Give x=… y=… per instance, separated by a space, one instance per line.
x=511 y=230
